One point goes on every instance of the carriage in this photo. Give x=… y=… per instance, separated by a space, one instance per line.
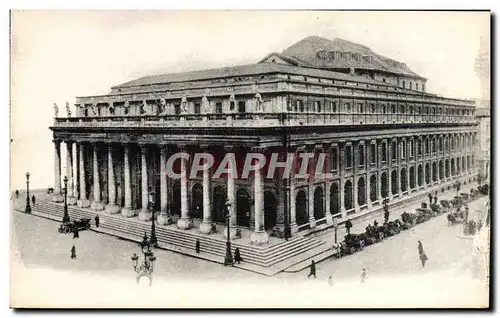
x=408 y=220
x=372 y=235
x=68 y=227
x=392 y=228
x=353 y=243
x=455 y=217
x=423 y=215
x=483 y=189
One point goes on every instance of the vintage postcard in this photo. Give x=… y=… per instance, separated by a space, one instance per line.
x=250 y=159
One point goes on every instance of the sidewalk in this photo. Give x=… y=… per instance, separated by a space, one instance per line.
x=359 y=225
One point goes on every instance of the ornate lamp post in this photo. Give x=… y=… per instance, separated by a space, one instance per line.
x=28 y=207
x=147 y=266
x=335 y=226
x=228 y=260
x=65 y=216
x=154 y=241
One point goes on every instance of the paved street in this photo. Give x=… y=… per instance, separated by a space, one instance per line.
x=394 y=262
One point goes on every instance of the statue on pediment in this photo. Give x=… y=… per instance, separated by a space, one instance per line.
x=94 y=109
x=162 y=107
x=205 y=105
x=258 y=102
x=56 y=110
x=232 y=103
x=126 y=106
x=143 y=109
x=184 y=105
x=111 y=108
x=68 y=110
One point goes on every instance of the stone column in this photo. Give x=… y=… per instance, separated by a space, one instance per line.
x=96 y=204
x=368 y=190
x=231 y=198
x=259 y=236
x=144 y=214
x=111 y=207
x=379 y=187
x=424 y=182
x=163 y=218
x=328 y=212
x=206 y=225
x=127 y=209
x=84 y=201
x=57 y=195
x=69 y=171
x=311 y=206
x=415 y=168
x=355 y=194
x=342 y=198
x=291 y=195
x=184 y=222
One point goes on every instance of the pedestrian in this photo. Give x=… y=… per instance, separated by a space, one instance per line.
x=96 y=219
x=363 y=276
x=435 y=199
x=421 y=254
x=466 y=213
x=17 y=194
x=312 y=271
x=197 y=246
x=330 y=281
x=76 y=234
x=430 y=198
x=386 y=212
x=73 y=252
x=237 y=256
x=458 y=187
x=375 y=224
x=348 y=226
x=33 y=199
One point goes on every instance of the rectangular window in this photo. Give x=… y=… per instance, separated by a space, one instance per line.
x=317 y=106
x=412 y=149
x=241 y=106
x=197 y=108
x=300 y=105
x=403 y=149
x=433 y=145
x=334 y=159
x=394 y=150
x=361 y=152
x=218 y=108
x=333 y=106
x=393 y=109
x=373 y=153
x=384 y=152
x=427 y=148
x=361 y=108
x=372 y=108
x=419 y=147
x=347 y=107
x=177 y=109
x=348 y=157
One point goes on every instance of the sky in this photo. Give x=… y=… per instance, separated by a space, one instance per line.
x=59 y=55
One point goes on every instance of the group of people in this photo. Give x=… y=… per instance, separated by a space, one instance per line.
x=33 y=199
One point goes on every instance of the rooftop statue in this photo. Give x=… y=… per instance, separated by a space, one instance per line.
x=205 y=105
x=56 y=110
x=184 y=105
x=258 y=102
x=68 y=110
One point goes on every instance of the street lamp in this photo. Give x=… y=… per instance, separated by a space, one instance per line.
x=65 y=216
x=335 y=226
x=228 y=260
x=28 y=207
x=147 y=266
x=154 y=241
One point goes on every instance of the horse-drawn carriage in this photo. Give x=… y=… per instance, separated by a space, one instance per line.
x=392 y=228
x=408 y=220
x=68 y=227
x=423 y=215
x=455 y=217
x=352 y=243
x=373 y=234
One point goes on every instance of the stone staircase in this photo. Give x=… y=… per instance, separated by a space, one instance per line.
x=267 y=259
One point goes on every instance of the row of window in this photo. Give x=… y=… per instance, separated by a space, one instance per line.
x=361 y=108
x=426 y=147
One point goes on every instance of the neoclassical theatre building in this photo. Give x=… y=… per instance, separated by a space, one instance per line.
x=383 y=136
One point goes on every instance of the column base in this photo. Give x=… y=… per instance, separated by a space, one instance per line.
x=184 y=223
x=259 y=238
x=83 y=203
x=312 y=223
x=127 y=212
x=57 y=198
x=206 y=227
x=112 y=208
x=164 y=219
x=97 y=206
x=71 y=201
x=232 y=232
x=145 y=215
x=294 y=228
x=329 y=219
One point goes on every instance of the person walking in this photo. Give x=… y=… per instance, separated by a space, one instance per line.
x=421 y=254
x=96 y=220
x=17 y=194
x=348 y=226
x=330 y=281
x=430 y=198
x=237 y=256
x=76 y=234
x=386 y=212
x=197 y=246
x=73 y=252
x=33 y=199
x=363 y=276
x=312 y=271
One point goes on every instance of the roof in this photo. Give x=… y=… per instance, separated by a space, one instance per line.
x=307 y=50
x=243 y=70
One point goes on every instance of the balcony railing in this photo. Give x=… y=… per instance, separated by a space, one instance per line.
x=256 y=120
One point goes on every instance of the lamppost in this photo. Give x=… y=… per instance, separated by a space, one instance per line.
x=335 y=226
x=154 y=241
x=147 y=266
x=228 y=260
x=28 y=207
x=65 y=216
